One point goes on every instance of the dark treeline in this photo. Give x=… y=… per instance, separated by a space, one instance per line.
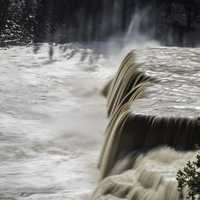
x=173 y=22
x=17 y=21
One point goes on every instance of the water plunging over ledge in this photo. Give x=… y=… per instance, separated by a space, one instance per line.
x=53 y=118
x=154 y=125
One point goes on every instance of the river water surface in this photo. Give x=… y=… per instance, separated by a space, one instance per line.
x=52 y=120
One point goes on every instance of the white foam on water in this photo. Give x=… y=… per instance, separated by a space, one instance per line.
x=51 y=121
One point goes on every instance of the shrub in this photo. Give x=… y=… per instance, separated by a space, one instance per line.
x=189 y=179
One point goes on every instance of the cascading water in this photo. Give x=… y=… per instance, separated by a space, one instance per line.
x=53 y=115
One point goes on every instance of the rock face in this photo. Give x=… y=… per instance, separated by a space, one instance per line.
x=173 y=22
x=178 y=22
x=153 y=110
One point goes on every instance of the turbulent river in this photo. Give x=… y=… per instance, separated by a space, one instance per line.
x=52 y=120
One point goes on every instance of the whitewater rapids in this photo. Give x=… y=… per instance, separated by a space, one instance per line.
x=52 y=120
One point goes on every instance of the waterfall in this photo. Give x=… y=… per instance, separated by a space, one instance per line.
x=144 y=129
